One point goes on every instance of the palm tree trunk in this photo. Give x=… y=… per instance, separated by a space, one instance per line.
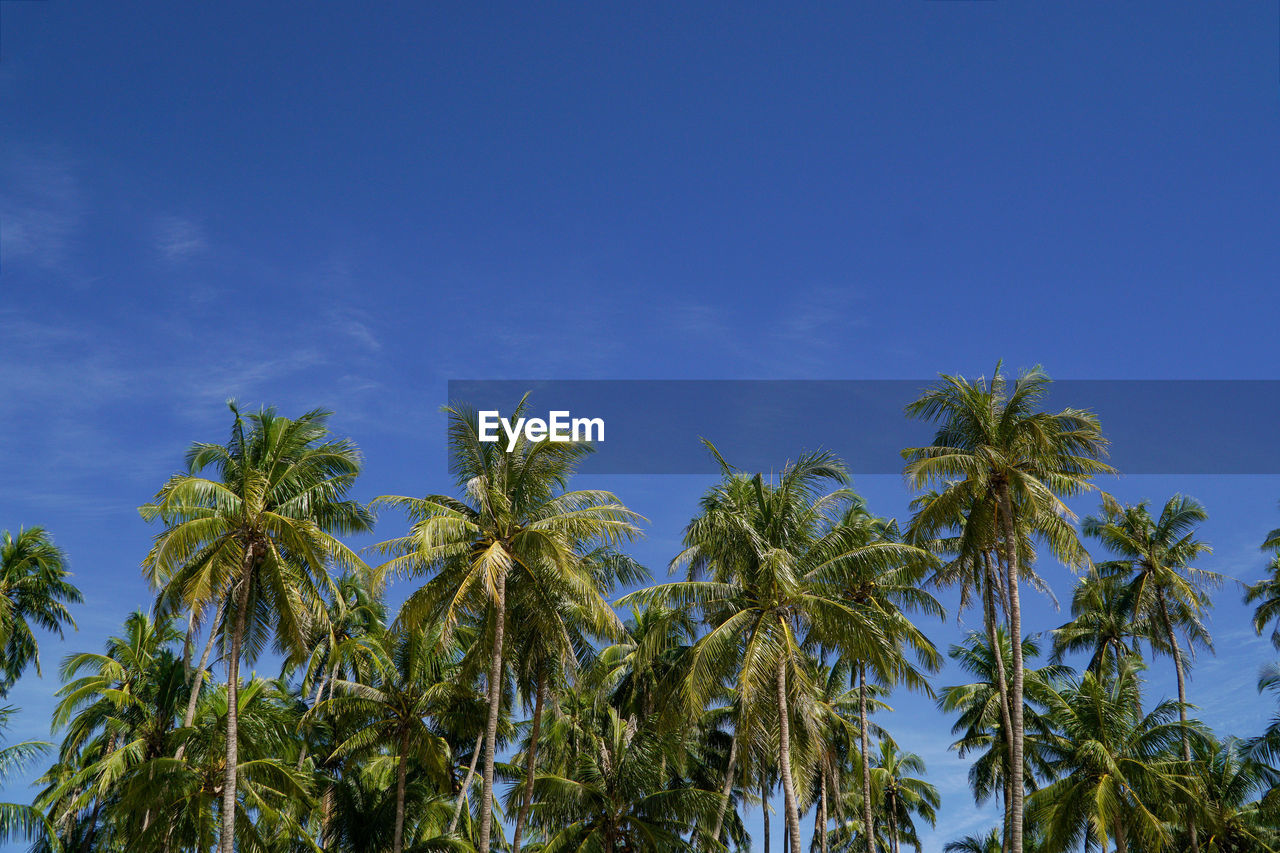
x=226 y=840
x=1015 y=693
x=397 y=840
x=822 y=813
x=87 y=845
x=727 y=790
x=764 y=806
x=868 y=819
x=1002 y=685
x=1122 y=842
x=326 y=815
x=891 y=809
x=784 y=760
x=464 y=791
x=530 y=764
x=495 y=708
x=187 y=643
x=198 y=681
x=1182 y=703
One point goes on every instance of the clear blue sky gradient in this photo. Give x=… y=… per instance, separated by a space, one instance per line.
x=344 y=206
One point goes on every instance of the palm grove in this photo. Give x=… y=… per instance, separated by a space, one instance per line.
x=519 y=701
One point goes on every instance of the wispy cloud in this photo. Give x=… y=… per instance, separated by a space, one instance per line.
x=178 y=238
x=41 y=208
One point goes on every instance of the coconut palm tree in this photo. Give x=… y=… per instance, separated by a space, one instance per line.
x=363 y=816
x=767 y=569
x=887 y=592
x=1232 y=812
x=902 y=797
x=257 y=542
x=20 y=821
x=549 y=647
x=829 y=729
x=617 y=797
x=1162 y=589
x=1116 y=771
x=33 y=590
x=1008 y=465
x=966 y=539
x=516 y=529
x=411 y=681
x=1266 y=592
x=1102 y=625
x=273 y=796
x=989 y=843
x=981 y=726
x=118 y=710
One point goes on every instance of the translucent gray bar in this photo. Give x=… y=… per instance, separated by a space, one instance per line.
x=654 y=426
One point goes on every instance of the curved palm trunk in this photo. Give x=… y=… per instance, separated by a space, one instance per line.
x=464 y=791
x=529 y=765
x=727 y=791
x=397 y=840
x=226 y=839
x=868 y=819
x=784 y=760
x=198 y=681
x=491 y=726
x=1182 y=703
x=1002 y=685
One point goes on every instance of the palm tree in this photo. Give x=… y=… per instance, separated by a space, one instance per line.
x=1007 y=465
x=1103 y=626
x=1230 y=812
x=516 y=528
x=617 y=798
x=1162 y=589
x=901 y=796
x=989 y=843
x=981 y=726
x=273 y=796
x=550 y=647
x=1116 y=770
x=1266 y=592
x=778 y=559
x=118 y=709
x=886 y=592
x=18 y=820
x=412 y=680
x=829 y=729
x=256 y=543
x=363 y=816
x=968 y=538
x=33 y=589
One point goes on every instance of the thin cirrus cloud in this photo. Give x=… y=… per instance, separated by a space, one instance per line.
x=178 y=238
x=42 y=205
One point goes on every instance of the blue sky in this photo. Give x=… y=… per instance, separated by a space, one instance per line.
x=344 y=206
